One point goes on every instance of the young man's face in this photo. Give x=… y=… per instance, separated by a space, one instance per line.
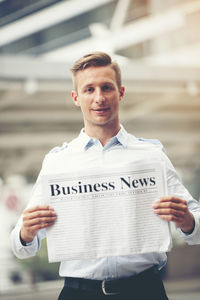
x=98 y=96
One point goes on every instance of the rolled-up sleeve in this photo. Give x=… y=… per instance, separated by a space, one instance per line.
x=27 y=251
x=194 y=237
x=30 y=249
x=176 y=188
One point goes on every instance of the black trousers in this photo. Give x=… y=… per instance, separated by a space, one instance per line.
x=140 y=288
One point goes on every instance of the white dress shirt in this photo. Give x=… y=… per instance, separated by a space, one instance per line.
x=84 y=152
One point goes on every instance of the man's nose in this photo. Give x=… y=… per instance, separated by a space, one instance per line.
x=99 y=97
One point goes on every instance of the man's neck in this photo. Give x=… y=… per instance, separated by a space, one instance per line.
x=102 y=133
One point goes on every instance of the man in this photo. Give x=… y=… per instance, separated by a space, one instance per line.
x=98 y=92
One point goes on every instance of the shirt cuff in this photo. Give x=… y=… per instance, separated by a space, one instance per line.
x=195 y=230
x=19 y=249
x=23 y=242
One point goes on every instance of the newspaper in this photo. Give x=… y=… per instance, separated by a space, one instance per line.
x=106 y=212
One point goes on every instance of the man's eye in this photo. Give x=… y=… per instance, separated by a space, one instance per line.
x=106 y=88
x=90 y=89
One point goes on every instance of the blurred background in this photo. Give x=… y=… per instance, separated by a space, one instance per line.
x=157 y=44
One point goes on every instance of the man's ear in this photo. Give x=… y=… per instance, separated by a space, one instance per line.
x=75 y=98
x=121 y=92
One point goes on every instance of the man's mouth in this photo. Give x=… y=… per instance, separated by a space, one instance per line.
x=101 y=109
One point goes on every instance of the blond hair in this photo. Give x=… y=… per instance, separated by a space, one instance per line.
x=95 y=59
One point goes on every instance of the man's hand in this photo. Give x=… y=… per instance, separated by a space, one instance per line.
x=35 y=218
x=176 y=210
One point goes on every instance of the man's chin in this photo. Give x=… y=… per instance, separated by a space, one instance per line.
x=102 y=122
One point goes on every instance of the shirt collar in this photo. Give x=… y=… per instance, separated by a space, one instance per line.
x=122 y=136
x=86 y=141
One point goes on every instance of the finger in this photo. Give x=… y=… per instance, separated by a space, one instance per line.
x=39 y=214
x=170 y=211
x=37 y=221
x=33 y=229
x=172 y=205
x=171 y=218
x=172 y=199
x=38 y=208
